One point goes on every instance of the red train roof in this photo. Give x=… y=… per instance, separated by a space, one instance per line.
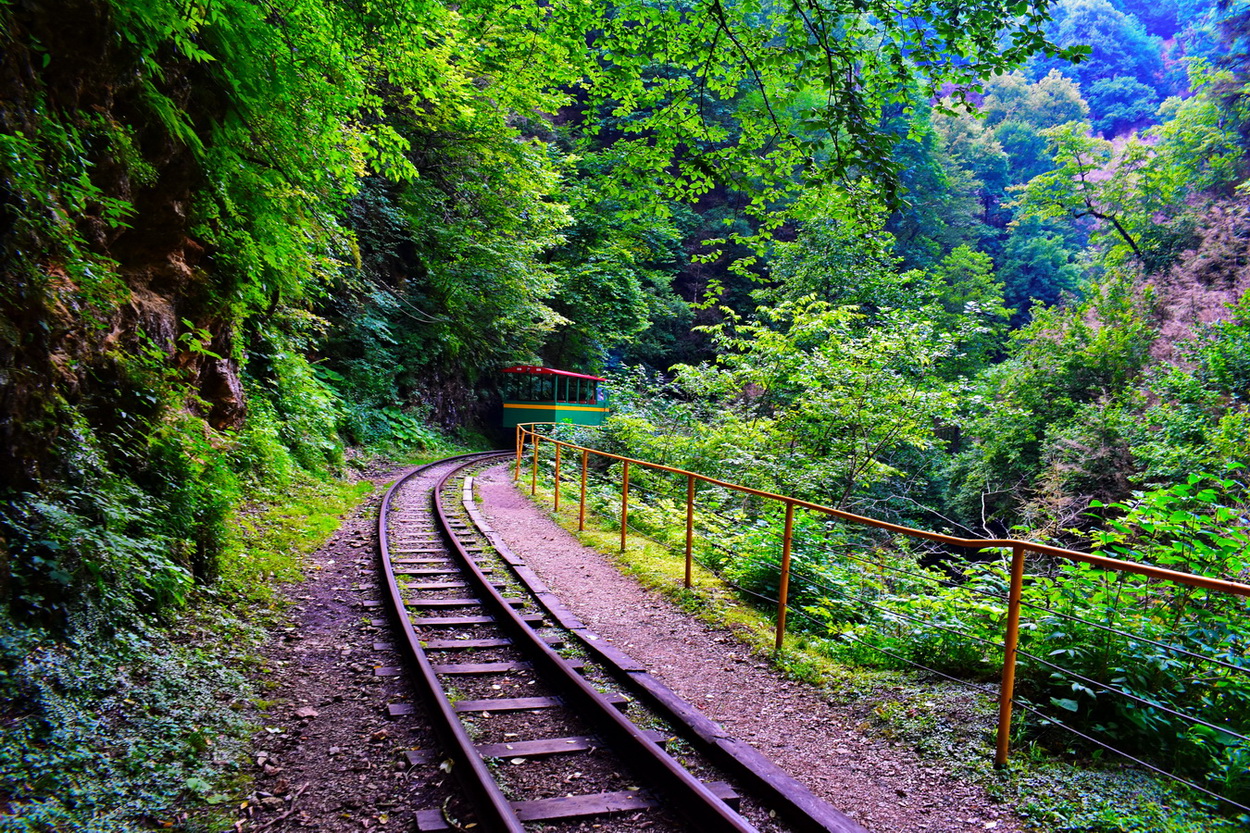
x=534 y=370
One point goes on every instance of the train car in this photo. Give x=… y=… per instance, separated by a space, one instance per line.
x=544 y=394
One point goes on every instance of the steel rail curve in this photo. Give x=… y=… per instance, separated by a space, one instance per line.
x=693 y=798
x=493 y=808
x=683 y=793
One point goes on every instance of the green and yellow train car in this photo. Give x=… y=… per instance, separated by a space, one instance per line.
x=544 y=394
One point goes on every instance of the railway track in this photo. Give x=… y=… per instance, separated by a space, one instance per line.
x=544 y=725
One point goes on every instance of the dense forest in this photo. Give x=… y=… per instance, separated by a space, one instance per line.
x=972 y=266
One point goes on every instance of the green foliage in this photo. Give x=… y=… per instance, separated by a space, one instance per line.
x=1025 y=148
x=972 y=297
x=46 y=166
x=616 y=278
x=1121 y=103
x=128 y=543
x=825 y=405
x=1162 y=632
x=1198 y=419
x=1039 y=265
x=947 y=205
x=267 y=545
x=1139 y=195
x=1090 y=181
x=306 y=408
x=109 y=730
x=844 y=256
x=1051 y=100
x=746 y=56
x=1199 y=148
x=1116 y=42
x=1045 y=409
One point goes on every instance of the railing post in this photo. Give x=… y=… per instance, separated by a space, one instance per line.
x=624 y=502
x=689 y=526
x=784 y=589
x=1009 y=655
x=581 y=509
x=520 y=443
x=557 y=506
x=534 y=473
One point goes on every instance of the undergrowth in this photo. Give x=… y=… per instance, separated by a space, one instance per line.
x=119 y=722
x=1064 y=791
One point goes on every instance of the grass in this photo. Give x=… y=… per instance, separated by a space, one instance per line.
x=944 y=723
x=273 y=538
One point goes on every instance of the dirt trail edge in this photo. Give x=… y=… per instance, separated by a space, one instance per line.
x=885 y=788
x=327 y=756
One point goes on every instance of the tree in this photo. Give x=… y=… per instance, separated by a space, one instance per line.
x=857 y=56
x=1197 y=143
x=1053 y=99
x=1121 y=104
x=1090 y=180
x=1143 y=195
x=1159 y=17
x=972 y=146
x=943 y=205
x=844 y=256
x=972 y=299
x=1047 y=431
x=1018 y=110
x=615 y=279
x=819 y=404
x=1038 y=266
x=1025 y=148
x=1117 y=44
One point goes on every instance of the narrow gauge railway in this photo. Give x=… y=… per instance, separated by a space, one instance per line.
x=540 y=720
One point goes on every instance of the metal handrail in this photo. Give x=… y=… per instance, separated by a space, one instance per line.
x=1019 y=548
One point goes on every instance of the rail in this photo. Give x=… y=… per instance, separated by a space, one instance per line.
x=1019 y=550
x=433 y=540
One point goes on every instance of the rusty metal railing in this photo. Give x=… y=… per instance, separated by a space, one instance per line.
x=1019 y=549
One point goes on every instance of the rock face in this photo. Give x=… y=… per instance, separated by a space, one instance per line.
x=105 y=285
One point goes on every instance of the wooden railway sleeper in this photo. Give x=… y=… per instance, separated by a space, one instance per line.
x=494 y=811
x=781 y=790
x=690 y=797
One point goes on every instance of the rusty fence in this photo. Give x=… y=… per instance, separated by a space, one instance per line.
x=569 y=464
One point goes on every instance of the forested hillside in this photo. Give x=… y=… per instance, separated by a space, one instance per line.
x=969 y=265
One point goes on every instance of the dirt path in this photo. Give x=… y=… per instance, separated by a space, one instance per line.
x=327 y=756
x=884 y=788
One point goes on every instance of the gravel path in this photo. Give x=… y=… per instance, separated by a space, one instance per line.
x=884 y=788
